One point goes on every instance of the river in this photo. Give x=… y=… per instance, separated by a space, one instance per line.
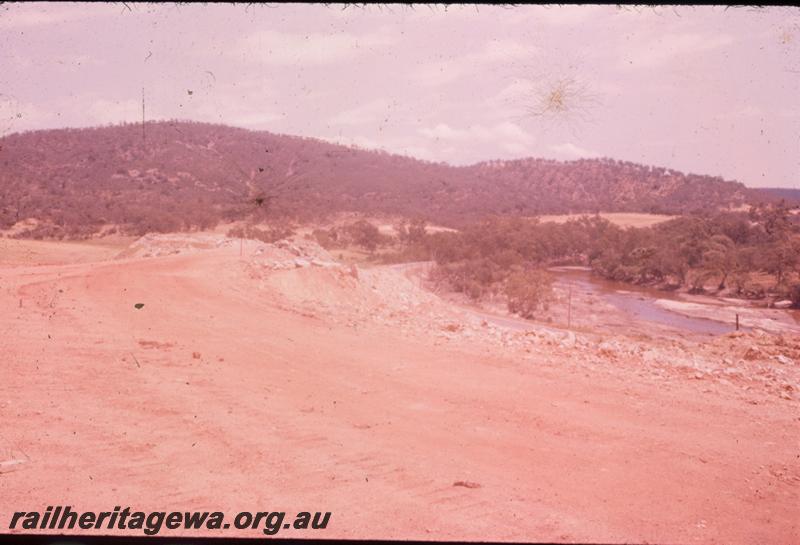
x=633 y=307
x=640 y=303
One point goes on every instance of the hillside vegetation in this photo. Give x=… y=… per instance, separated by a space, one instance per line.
x=168 y=176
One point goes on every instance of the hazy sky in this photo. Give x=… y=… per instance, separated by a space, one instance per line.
x=704 y=90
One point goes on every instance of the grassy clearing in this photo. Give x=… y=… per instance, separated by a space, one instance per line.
x=623 y=219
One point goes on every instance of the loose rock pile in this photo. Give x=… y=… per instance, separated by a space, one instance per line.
x=158 y=245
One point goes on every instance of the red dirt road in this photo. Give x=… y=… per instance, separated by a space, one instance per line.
x=106 y=405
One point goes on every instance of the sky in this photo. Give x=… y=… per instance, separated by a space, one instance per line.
x=706 y=90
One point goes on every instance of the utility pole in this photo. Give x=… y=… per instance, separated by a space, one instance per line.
x=142 y=114
x=569 y=307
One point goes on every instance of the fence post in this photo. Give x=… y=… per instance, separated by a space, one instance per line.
x=569 y=308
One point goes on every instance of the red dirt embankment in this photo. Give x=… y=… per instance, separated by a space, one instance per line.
x=230 y=390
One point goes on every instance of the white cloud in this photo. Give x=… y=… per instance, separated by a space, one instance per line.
x=419 y=152
x=395 y=146
x=514 y=92
x=254 y=120
x=103 y=111
x=435 y=74
x=572 y=151
x=16 y=115
x=360 y=141
x=289 y=49
x=507 y=135
x=41 y=14
x=500 y=50
x=231 y=109
x=653 y=51
x=746 y=112
x=366 y=113
x=438 y=73
x=66 y=64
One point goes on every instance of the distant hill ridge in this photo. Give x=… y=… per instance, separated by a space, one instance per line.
x=174 y=175
x=790 y=195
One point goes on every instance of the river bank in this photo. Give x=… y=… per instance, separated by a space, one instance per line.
x=585 y=302
x=688 y=313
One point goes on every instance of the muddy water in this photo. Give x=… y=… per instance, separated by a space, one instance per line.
x=639 y=302
x=636 y=303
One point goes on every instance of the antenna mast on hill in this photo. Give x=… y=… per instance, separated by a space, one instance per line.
x=142 y=114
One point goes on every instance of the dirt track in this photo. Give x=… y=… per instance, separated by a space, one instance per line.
x=222 y=394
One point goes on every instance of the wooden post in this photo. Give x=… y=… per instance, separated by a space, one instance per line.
x=737 y=321
x=143 y=137
x=569 y=307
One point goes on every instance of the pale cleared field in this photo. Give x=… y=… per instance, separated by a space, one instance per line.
x=623 y=219
x=388 y=229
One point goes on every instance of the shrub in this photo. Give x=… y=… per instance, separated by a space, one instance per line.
x=325 y=238
x=270 y=235
x=364 y=234
x=794 y=295
x=528 y=291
